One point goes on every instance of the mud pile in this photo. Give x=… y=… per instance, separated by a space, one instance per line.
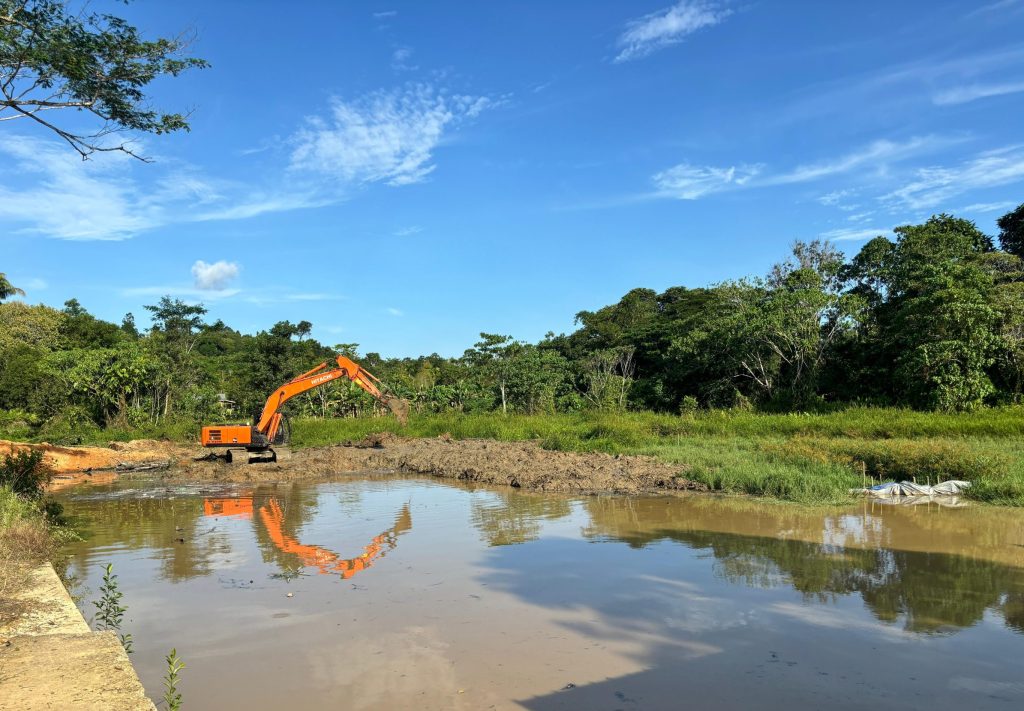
x=517 y=464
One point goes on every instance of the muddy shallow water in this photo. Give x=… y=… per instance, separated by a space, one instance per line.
x=411 y=594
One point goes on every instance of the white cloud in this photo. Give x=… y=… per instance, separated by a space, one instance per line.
x=34 y=284
x=313 y=297
x=395 y=312
x=666 y=27
x=854 y=234
x=874 y=155
x=965 y=94
x=386 y=136
x=385 y=14
x=989 y=206
x=935 y=185
x=180 y=291
x=835 y=197
x=689 y=182
x=104 y=199
x=408 y=231
x=400 y=60
x=214 y=277
x=70 y=198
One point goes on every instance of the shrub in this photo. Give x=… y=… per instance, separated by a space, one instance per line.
x=70 y=426
x=25 y=473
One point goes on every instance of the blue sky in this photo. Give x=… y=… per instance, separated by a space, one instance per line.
x=406 y=175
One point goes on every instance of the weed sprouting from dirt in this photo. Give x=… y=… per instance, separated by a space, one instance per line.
x=172 y=697
x=109 y=610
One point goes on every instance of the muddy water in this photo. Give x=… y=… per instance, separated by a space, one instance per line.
x=414 y=594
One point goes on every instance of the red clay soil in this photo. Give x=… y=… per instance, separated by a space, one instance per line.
x=98 y=464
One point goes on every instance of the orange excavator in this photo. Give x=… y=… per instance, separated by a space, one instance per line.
x=243 y=444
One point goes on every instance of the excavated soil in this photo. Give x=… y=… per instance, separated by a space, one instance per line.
x=517 y=464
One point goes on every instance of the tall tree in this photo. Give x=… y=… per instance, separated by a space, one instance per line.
x=7 y=289
x=1011 y=231
x=53 y=58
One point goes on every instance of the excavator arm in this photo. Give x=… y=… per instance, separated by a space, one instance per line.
x=270 y=418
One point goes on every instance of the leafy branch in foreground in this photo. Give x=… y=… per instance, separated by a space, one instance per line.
x=172 y=697
x=109 y=610
x=52 y=58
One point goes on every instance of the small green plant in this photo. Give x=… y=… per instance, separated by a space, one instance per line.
x=172 y=697
x=109 y=610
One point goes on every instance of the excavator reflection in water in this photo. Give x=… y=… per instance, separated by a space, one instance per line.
x=326 y=561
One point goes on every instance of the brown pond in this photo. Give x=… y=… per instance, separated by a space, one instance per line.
x=416 y=594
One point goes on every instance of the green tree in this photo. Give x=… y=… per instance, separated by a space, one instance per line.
x=53 y=57
x=1011 y=231
x=176 y=330
x=940 y=325
x=7 y=290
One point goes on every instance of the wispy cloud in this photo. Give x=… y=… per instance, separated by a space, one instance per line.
x=71 y=199
x=383 y=15
x=973 y=92
x=852 y=234
x=395 y=312
x=386 y=136
x=933 y=186
x=400 y=60
x=313 y=296
x=686 y=181
x=874 y=155
x=666 y=27
x=989 y=206
x=689 y=182
x=34 y=284
x=178 y=290
x=408 y=231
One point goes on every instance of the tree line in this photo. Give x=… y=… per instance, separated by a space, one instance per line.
x=932 y=319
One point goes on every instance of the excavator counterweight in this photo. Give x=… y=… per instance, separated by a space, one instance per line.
x=246 y=443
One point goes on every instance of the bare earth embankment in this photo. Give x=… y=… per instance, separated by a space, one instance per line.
x=518 y=464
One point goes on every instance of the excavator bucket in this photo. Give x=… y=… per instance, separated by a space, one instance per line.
x=400 y=409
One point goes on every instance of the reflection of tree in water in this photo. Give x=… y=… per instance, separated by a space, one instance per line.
x=151 y=523
x=508 y=517
x=934 y=592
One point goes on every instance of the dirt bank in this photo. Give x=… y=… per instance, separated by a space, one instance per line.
x=74 y=465
x=518 y=464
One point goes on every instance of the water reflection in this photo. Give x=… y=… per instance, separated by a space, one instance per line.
x=170 y=527
x=508 y=517
x=933 y=587
x=925 y=571
x=278 y=530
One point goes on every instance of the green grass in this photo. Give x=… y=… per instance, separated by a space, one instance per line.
x=810 y=458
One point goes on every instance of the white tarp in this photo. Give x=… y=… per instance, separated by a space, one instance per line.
x=908 y=488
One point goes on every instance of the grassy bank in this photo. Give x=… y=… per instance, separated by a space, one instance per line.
x=811 y=458
x=30 y=529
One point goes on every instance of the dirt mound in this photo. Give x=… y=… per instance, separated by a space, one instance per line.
x=518 y=464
